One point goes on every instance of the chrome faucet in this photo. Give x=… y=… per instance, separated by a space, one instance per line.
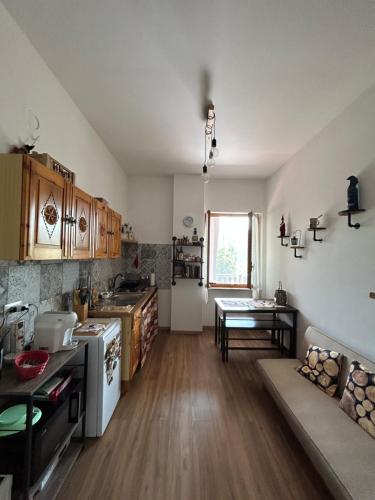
x=119 y=275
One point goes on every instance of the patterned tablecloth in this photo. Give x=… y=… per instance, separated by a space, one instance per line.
x=249 y=303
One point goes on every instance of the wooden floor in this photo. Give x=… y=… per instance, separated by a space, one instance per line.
x=192 y=428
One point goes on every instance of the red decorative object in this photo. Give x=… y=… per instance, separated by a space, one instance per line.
x=136 y=261
x=31 y=364
x=282 y=227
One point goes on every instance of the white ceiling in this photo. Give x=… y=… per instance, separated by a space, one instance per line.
x=278 y=72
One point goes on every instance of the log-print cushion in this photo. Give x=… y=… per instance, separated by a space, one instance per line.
x=358 y=399
x=322 y=367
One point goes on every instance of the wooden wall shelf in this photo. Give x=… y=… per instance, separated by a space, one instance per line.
x=349 y=213
x=314 y=230
x=297 y=247
x=281 y=238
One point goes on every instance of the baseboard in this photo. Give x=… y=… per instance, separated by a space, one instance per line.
x=185 y=332
x=125 y=386
x=164 y=329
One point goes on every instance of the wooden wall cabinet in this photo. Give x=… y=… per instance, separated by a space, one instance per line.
x=81 y=234
x=114 y=232
x=101 y=230
x=44 y=217
x=45 y=209
x=107 y=232
x=32 y=200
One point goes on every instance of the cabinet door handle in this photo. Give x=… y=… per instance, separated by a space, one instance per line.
x=73 y=221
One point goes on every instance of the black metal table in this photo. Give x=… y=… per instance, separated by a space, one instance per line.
x=12 y=389
x=239 y=306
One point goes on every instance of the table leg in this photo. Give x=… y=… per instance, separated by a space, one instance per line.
x=222 y=337
x=85 y=370
x=226 y=344
x=216 y=313
x=28 y=447
x=293 y=339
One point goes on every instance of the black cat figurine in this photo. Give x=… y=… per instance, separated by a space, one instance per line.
x=353 y=198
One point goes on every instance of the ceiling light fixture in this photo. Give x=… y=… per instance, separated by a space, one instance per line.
x=214 y=148
x=211 y=159
x=205 y=175
x=210 y=139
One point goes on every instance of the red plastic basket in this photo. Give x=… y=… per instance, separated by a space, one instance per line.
x=38 y=360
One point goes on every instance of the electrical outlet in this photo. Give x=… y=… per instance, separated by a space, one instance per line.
x=12 y=304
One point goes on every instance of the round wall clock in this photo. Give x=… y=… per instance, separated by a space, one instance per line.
x=188 y=221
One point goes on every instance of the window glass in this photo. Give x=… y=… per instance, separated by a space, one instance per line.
x=229 y=253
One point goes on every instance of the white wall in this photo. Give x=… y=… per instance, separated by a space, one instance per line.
x=26 y=83
x=241 y=195
x=150 y=211
x=150 y=201
x=331 y=284
x=188 y=199
x=157 y=206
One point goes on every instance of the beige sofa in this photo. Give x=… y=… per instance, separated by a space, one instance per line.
x=342 y=452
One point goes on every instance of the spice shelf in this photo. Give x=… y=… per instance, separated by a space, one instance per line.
x=184 y=269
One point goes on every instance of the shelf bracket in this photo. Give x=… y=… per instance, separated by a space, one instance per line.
x=315 y=238
x=357 y=225
x=282 y=238
x=295 y=254
x=282 y=241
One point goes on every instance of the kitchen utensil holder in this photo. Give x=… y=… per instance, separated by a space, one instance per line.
x=82 y=311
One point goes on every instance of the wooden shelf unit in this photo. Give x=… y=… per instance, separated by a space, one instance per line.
x=184 y=263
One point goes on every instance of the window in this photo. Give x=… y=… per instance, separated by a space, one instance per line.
x=229 y=249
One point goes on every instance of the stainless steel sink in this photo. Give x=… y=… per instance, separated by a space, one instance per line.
x=126 y=298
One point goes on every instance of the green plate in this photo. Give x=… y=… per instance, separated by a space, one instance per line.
x=13 y=419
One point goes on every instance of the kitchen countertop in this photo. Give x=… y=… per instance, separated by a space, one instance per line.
x=106 y=309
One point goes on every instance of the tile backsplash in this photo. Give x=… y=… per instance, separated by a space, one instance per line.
x=45 y=283
x=151 y=257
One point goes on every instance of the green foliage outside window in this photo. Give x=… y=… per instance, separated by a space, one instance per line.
x=226 y=260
